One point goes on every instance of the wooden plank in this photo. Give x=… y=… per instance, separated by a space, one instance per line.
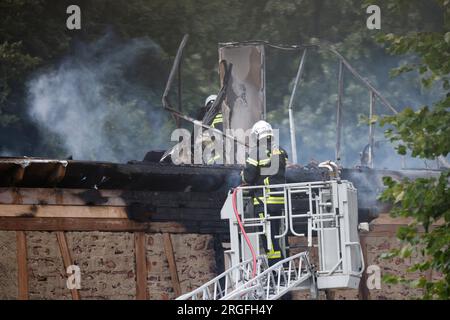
x=67 y=259
x=141 y=266
x=121 y=225
x=387 y=219
x=44 y=211
x=120 y=198
x=89 y=224
x=17 y=176
x=56 y=196
x=168 y=248
x=22 y=266
x=57 y=175
x=388 y=230
x=137 y=211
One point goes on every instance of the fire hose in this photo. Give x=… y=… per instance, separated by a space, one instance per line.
x=247 y=240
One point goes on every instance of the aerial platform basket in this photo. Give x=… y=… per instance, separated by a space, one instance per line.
x=325 y=213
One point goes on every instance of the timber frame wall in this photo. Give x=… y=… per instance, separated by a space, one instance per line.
x=63 y=210
x=59 y=211
x=140 y=258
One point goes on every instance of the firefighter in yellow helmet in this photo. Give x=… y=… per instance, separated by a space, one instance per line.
x=267 y=155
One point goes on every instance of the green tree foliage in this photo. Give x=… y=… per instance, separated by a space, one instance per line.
x=13 y=65
x=426 y=134
x=30 y=37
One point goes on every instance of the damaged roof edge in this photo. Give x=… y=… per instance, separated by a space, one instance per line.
x=136 y=175
x=166 y=177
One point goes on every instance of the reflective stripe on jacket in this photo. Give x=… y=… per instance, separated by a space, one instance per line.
x=217 y=122
x=252 y=175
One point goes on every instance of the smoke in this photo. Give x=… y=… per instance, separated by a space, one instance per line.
x=98 y=103
x=315 y=108
x=6 y=153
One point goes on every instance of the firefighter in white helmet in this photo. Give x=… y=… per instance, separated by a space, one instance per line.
x=272 y=158
x=209 y=101
x=217 y=122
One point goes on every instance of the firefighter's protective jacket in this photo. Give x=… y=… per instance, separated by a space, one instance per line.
x=217 y=123
x=253 y=175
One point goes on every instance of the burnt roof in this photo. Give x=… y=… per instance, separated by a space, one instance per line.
x=50 y=173
x=154 y=176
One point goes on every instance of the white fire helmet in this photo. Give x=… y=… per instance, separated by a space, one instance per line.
x=210 y=99
x=262 y=129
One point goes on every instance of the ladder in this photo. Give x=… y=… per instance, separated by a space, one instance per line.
x=227 y=282
x=270 y=283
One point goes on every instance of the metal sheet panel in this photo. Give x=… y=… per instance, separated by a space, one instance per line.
x=246 y=252
x=338 y=281
x=353 y=229
x=331 y=249
x=245 y=98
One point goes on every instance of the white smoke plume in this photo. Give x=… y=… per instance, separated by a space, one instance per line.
x=6 y=153
x=92 y=104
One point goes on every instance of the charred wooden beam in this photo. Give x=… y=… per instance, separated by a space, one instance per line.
x=131 y=176
x=109 y=225
x=120 y=198
x=188 y=208
x=16 y=175
x=44 y=211
x=57 y=175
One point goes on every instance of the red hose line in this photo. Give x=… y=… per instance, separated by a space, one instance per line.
x=243 y=232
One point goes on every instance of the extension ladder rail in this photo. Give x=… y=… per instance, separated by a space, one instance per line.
x=227 y=281
x=274 y=282
x=270 y=283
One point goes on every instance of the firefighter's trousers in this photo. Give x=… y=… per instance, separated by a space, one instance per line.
x=274 y=253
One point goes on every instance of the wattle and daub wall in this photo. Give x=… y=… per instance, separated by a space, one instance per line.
x=107 y=262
